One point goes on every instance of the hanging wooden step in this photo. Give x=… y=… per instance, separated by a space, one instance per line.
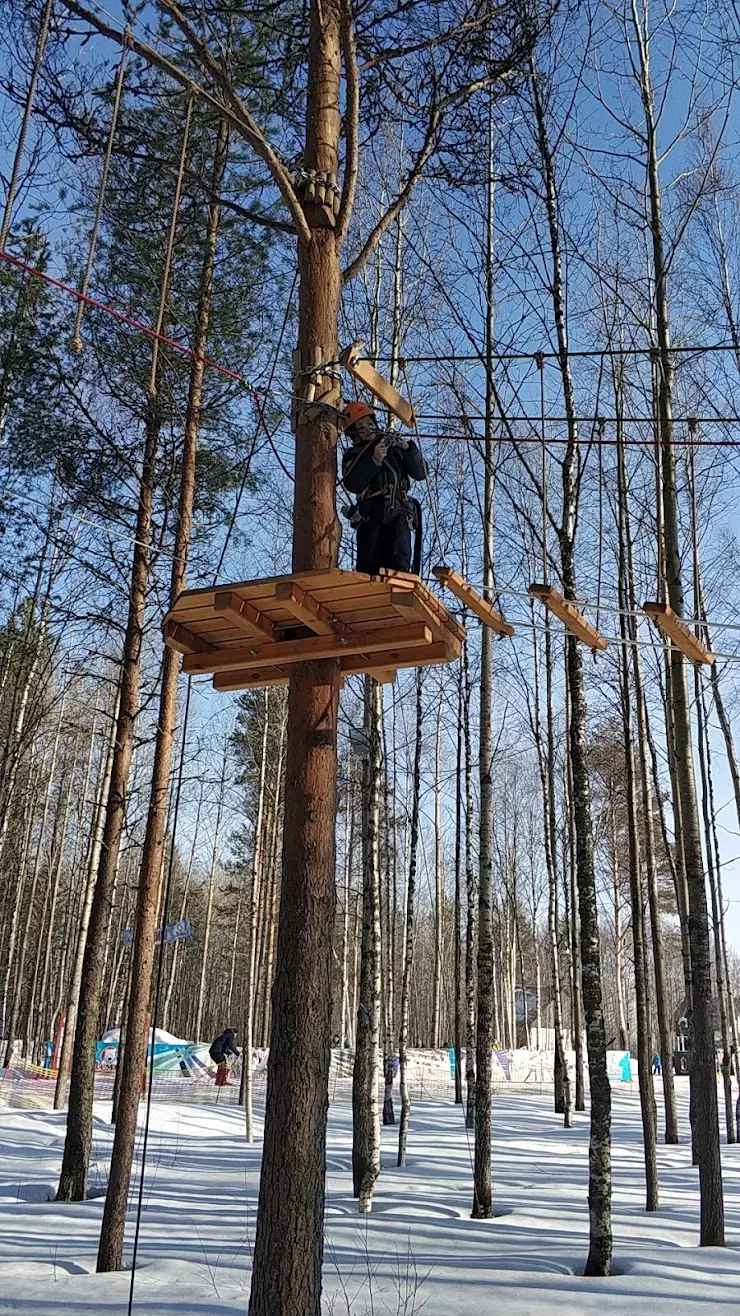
x=569 y=615
x=678 y=632
x=454 y=582
x=253 y=633
x=353 y=361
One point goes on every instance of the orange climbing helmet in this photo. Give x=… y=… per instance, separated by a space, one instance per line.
x=356 y=411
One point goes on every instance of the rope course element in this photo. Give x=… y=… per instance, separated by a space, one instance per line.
x=28 y=111
x=77 y=335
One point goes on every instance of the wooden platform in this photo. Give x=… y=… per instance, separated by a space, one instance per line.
x=569 y=614
x=678 y=632
x=251 y=634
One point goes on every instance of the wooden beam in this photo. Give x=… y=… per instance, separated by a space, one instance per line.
x=428 y=656
x=304 y=608
x=184 y=641
x=243 y=614
x=569 y=615
x=454 y=582
x=245 y=657
x=378 y=386
x=251 y=680
x=678 y=632
x=384 y=675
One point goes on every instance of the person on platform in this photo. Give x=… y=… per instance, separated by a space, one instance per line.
x=378 y=470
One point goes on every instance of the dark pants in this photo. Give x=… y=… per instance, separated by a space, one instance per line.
x=385 y=544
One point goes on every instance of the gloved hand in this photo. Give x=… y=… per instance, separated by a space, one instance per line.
x=402 y=441
x=379 y=452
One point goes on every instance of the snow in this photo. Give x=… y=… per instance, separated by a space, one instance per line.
x=160 y=1035
x=419 y=1250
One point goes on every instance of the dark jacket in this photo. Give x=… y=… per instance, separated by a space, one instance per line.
x=222 y=1046
x=381 y=490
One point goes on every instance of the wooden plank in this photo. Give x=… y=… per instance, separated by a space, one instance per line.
x=379 y=387
x=428 y=656
x=384 y=675
x=676 y=630
x=455 y=583
x=312 y=650
x=185 y=641
x=569 y=615
x=243 y=614
x=252 y=680
x=299 y=603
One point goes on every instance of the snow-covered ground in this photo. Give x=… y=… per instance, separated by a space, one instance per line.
x=418 y=1251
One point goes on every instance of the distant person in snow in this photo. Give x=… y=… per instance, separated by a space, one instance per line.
x=221 y=1048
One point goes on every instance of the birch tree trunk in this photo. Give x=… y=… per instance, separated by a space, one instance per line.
x=438 y=888
x=257 y=879
x=702 y=1070
x=209 y=900
x=365 y=1113
x=409 y=930
x=471 y=909
x=599 y=1191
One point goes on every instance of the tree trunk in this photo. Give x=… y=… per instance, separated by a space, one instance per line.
x=288 y=1246
x=110 y=1252
x=438 y=889
x=471 y=895
x=209 y=903
x=599 y=1191
x=702 y=1072
x=408 y=955
x=619 y=955
x=257 y=880
x=457 y=945
x=365 y=1115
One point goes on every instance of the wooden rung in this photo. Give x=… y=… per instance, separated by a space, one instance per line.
x=304 y=608
x=243 y=615
x=569 y=615
x=184 y=641
x=678 y=632
x=315 y=648
x=472 y=599
x=378 y=386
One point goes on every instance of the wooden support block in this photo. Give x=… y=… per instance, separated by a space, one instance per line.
x=454 y=582
x=184 y=641
x=378 y=386
x=244 y=657
x=383 y=675
x=676 y=630
x=243 y=615
x=569 y=615
x=410 y=605
x=300 y=605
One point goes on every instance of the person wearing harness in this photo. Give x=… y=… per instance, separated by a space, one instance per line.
x=378 y=470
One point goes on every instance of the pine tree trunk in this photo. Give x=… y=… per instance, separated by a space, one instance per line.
x=288 y=1246
x=409 y=929
x=110 y=1251
x=365 y=1114
x=78 y=1141
x=209 y=903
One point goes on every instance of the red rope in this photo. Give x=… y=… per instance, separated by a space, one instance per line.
x=124 y=319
